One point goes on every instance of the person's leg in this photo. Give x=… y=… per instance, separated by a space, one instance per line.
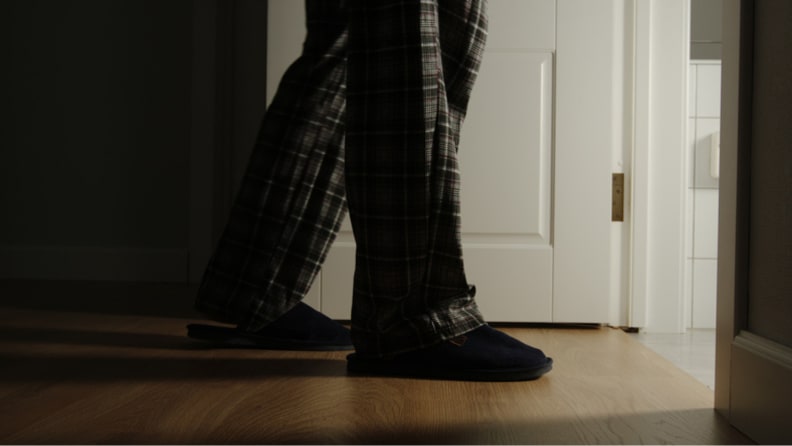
x=411 y=68
x=402 y=176
x=291 y=200
x=462 y=36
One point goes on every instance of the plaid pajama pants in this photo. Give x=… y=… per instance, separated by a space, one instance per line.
x=367 y=118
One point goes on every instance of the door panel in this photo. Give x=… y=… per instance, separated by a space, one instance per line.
x=770 y=264
x=506 y=148
x=521 y=24
x=505 y=157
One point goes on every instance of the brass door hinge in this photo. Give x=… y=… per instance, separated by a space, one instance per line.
x=617 y=197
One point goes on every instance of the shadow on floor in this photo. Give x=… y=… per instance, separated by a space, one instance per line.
x=101 y=369
x=649 y=428
x=673 y=427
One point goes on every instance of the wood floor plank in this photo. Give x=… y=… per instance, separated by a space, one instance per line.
x=76 y=377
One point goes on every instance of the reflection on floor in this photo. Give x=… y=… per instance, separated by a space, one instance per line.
x=693 y=352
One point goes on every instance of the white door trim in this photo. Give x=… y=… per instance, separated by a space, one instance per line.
x=640 y=167
x=658 y=187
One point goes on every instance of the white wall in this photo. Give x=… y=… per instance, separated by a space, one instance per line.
x=701 y=223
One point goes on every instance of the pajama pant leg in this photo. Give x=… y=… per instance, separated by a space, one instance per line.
x=410 y=69
x=291 y=200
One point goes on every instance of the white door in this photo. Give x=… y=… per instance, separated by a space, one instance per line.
x=535 y=155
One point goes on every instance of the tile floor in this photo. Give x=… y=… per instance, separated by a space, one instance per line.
x=693 y=352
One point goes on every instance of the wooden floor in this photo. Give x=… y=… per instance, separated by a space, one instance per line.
x=85 y=364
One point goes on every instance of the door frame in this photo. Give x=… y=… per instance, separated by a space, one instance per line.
x=734 y=206
x=751 y=372
x=661 y=46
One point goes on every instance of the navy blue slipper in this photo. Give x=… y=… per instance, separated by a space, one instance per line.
x=484 y=354
x=301 y=328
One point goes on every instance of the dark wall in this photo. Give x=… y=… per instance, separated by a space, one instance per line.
x=96 y=127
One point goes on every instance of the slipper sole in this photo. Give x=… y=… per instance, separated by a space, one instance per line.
x=231 y=337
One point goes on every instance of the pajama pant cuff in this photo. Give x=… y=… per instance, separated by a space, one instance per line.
x=419 y=332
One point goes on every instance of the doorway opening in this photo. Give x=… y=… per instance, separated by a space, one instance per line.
x=693 y=349
x=703 y=164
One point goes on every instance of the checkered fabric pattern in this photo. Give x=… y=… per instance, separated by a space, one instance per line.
x=368 y=116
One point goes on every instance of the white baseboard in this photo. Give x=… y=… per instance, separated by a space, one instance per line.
x=94 y=263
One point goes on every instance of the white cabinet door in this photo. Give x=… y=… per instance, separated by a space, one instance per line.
x=531 y=243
